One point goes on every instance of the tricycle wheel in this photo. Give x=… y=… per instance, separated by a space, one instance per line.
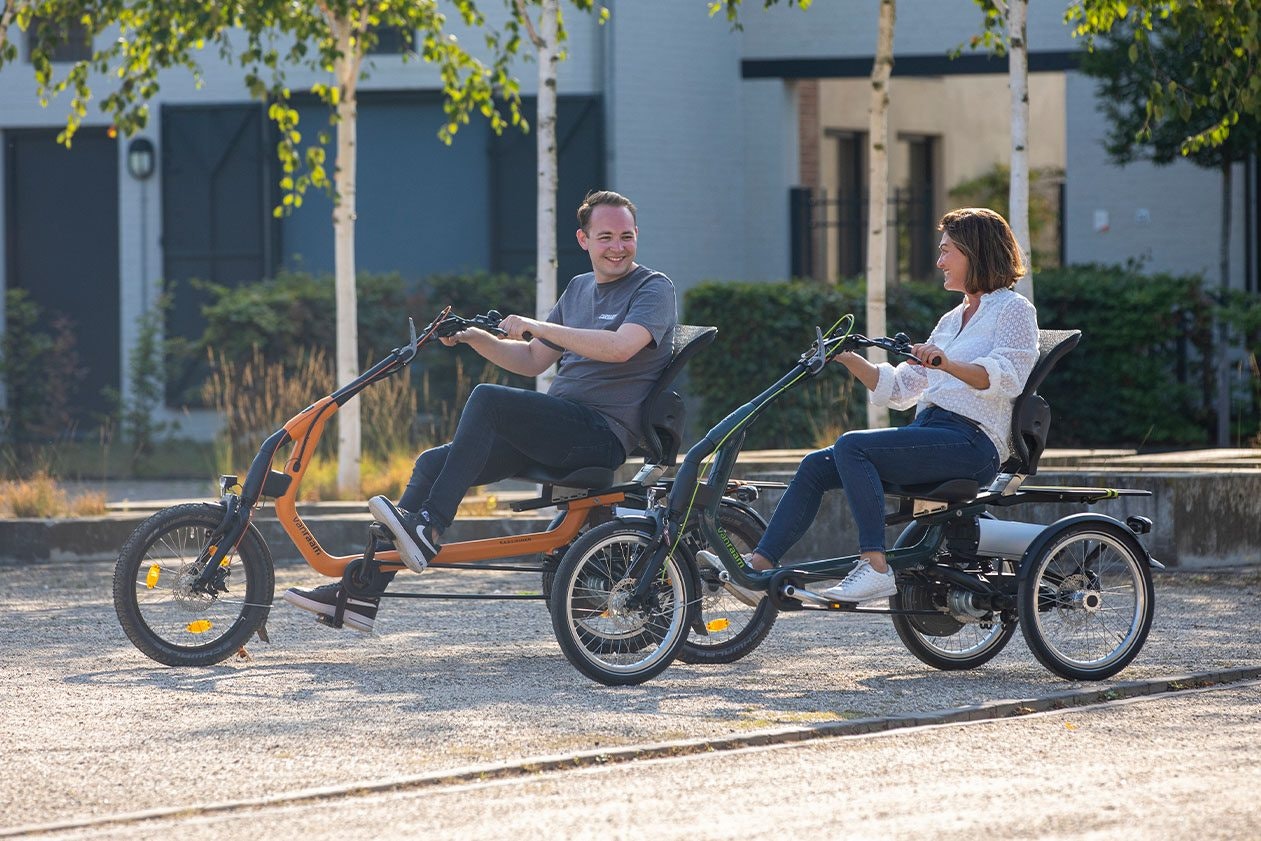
x=155 y=601
x=942 y=641
x=1086 y=599
x=604 y=637
x=735 y=628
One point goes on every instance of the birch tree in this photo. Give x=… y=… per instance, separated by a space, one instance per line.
x=878 y=196
x=1011 y=17
x=547 y=35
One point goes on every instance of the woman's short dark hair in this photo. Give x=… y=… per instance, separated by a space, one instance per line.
x=595 y=198
x=994 y=257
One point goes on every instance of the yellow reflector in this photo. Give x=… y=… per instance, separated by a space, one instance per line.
x=151 y=580
x=199 y=626
x=224 y=562
x=717 y=625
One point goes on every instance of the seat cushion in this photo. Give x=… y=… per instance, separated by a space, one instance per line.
x=954 y=490
x=590 y=478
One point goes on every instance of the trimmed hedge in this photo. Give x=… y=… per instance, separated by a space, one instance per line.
x=1139 y=378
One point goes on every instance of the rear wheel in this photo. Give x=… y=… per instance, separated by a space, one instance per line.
x=1086 y=600
x=949 y=639
x=734 y=628
x=601 y=633
x=155 y=601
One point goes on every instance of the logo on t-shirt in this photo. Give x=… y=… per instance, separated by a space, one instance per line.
x=606 y=316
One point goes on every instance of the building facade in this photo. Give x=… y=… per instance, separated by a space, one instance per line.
x=708 y=129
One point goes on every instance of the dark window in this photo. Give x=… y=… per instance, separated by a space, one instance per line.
x=69 y=39
x=916 y=210
x=393 y=40
x=851 y=203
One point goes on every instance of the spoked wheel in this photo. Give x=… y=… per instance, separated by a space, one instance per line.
x=1086 y=600
x=155 y=601
x=602 y=635
x=949 y=640
x=735 y=628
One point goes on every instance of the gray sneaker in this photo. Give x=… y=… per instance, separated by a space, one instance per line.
x=744 y=594
x=413 y=533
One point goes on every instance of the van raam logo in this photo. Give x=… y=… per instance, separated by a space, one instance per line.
x=306 y=535
x=606 y=316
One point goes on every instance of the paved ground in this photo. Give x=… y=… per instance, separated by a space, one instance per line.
x=90 y=727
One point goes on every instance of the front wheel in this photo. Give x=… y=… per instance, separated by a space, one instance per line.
x=734 y=629
x=601 y=634
x=1086 y=600
x=156 y=604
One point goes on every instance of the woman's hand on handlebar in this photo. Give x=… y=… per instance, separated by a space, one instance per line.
x=928 y=355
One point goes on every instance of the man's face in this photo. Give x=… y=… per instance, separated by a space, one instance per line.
x=610 y=240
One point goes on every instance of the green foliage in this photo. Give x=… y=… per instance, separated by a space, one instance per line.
x=296 y=311
x=469 y=294
x=147 y=370
x=764 y=327
x=732 y=8
x=1193 y=65
x=1142 y=375
x=40 y=369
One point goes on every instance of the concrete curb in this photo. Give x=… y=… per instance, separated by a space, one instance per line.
x=513 y=769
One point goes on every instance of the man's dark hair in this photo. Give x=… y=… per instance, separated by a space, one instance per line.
x=595 y=198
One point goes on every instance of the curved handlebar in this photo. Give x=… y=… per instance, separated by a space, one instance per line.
x=899 y=345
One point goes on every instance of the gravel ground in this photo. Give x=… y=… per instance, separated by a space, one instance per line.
x=90 y=727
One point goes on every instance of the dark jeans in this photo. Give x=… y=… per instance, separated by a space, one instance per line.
x=502 y=431
x=936 y=446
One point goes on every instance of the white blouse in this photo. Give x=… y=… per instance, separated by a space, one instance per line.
x=1001 y=336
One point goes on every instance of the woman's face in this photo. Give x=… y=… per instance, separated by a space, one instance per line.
x=953 y=264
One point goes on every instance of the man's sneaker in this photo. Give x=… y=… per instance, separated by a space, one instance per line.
x=360 y=614
x=413 y=533
x=862 y=585
x=744 y=594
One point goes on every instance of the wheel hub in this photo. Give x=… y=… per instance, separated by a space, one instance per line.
x=1076 y=600
x=619 y=614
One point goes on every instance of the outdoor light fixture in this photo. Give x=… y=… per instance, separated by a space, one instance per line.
x=140 y=158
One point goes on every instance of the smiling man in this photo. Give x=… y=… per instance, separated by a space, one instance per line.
x=611 y=333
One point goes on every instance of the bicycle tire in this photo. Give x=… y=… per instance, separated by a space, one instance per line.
x=735 y=628
x=155 y=606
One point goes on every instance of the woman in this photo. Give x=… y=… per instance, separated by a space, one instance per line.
x=987 y=346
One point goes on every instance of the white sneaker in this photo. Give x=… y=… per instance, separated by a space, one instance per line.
x=862 y=585
x=744 y=594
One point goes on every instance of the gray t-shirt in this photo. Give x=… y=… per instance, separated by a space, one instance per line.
x=616 y=389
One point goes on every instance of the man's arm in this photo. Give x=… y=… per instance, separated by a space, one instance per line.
x=526 y=358
x=601 y=345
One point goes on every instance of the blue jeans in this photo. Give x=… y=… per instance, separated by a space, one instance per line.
x=936 y=446
x=502 y=431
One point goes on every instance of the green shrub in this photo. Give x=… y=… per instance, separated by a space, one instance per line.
x=39 y=365
x=1142 y=375
x=764 y=327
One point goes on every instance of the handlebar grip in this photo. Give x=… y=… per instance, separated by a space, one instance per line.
x=527 y=336
x=935 y=361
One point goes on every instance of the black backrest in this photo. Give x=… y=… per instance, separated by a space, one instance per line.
x=664 y=415
x=1030 y=414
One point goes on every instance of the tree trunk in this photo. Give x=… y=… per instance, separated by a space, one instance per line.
x=1223 y=329
x=545 y=283
x=1018 y=198
x=878 y=196
x=348 y=428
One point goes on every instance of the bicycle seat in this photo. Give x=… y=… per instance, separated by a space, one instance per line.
x=952 y=490
x=661 y=421
x=588 y=478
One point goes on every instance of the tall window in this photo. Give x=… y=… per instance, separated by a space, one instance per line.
x=917 y=208
x=71 y=40
x=851 y=202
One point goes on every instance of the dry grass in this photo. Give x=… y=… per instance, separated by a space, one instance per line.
x=828 y=423
x=41 y=496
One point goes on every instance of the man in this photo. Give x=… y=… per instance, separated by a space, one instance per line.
x=611 y=333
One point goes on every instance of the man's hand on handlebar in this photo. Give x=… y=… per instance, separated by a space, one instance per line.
x=519 y=327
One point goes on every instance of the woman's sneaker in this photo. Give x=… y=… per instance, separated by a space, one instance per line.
x=360 y=614
x=413 y=533
x=744 y=594
x=862 y=585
